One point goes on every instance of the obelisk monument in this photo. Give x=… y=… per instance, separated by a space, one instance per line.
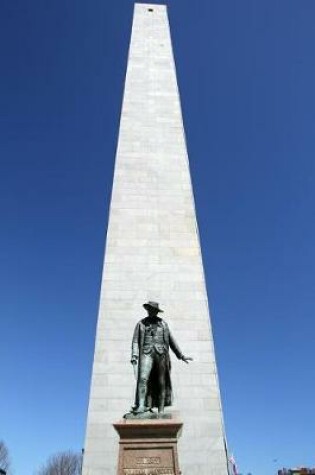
x=153 y=254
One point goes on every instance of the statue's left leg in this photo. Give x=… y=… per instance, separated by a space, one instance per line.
x=145 y=370
x=161 y=372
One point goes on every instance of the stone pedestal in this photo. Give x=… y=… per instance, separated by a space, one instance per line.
x=148 y=446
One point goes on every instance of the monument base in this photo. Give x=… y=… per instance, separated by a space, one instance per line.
x=148 y=446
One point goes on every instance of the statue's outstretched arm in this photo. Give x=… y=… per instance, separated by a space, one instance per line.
x=174 y=346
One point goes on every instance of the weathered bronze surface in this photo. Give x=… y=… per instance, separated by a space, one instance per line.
x=151 y=342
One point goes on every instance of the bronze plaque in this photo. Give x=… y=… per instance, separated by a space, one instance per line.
x=148 y=461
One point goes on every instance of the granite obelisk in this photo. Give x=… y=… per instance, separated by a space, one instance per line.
x=153 y=253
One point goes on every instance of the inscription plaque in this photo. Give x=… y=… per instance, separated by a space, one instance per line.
x=148 y=460
x=161 y=457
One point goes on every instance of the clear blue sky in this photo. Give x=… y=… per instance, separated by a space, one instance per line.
x=246 y=73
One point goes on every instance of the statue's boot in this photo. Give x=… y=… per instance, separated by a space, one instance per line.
x=140 y=409
x=161 y=403
x=142 y=399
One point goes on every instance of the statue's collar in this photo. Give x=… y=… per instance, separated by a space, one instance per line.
x=152 y=321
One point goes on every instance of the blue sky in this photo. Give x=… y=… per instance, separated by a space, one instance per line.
x=246 y=74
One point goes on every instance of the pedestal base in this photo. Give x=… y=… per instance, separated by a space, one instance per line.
x=148 y=446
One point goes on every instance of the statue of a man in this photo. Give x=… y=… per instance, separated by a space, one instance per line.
x=150 y=350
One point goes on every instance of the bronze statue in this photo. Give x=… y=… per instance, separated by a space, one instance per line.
x=150 y=351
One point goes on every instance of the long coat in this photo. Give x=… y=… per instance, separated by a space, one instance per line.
x=137 y=351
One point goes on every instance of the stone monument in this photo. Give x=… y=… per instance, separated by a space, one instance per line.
x=153 y=255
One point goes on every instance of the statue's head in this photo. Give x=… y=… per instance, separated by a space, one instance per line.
x=152 y=308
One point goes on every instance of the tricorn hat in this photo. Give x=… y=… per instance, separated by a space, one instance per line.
x=154 y=305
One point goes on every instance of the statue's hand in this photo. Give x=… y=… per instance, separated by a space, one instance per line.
x=134 y=360
x=187 y=359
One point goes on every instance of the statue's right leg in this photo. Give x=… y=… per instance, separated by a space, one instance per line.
x=162 y=371
x=145 y=370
